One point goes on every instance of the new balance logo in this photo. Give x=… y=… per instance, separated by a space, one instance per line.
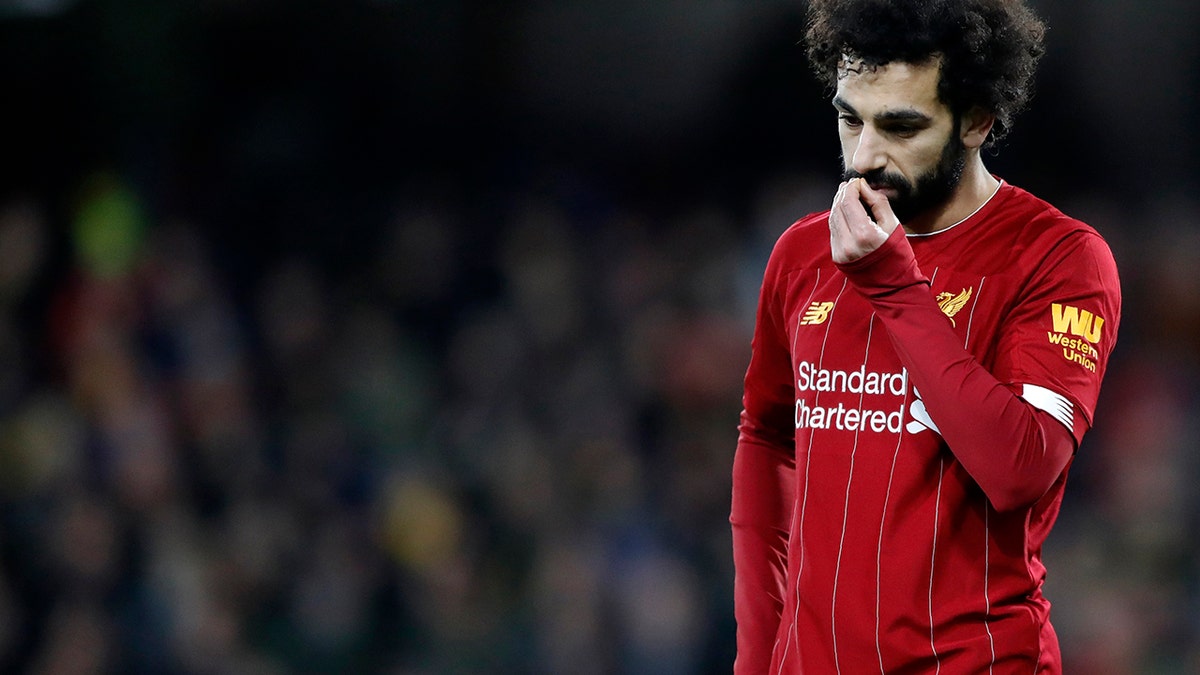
x=817 y=313
x=1077 y=322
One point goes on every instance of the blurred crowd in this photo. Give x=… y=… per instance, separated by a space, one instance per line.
x=512 y=460
x=271 y=407
x=501 y=451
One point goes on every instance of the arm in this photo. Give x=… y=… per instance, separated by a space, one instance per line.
x=763 y=491
x=1014 y=450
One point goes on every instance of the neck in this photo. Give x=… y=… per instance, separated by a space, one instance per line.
x=975 y=188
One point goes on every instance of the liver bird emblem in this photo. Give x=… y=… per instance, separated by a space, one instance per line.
x=951 y=304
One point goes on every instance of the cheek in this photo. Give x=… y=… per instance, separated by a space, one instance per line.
x=849 y=143
x=922 y=159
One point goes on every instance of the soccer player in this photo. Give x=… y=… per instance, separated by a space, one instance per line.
x=926 y=359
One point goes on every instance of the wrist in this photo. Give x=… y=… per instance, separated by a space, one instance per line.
x=886 y=269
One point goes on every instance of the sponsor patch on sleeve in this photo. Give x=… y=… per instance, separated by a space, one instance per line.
x=1077 y=332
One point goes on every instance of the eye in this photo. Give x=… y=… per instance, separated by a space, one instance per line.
x=903 y=130
x=850 y=121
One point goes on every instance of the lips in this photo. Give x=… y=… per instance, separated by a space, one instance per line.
x=885 y=188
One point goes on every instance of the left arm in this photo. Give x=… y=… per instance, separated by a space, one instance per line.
x=1013 y=449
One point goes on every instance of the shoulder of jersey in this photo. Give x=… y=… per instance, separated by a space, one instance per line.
x=807 y=237
x=1041 y=217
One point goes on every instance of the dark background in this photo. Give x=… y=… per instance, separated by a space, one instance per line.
x=407 y=337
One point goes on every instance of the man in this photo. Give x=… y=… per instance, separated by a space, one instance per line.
x=926 y=360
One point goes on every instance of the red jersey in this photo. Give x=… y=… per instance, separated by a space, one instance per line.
x=863 y=540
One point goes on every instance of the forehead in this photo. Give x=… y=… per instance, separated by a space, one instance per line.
x=891 y=86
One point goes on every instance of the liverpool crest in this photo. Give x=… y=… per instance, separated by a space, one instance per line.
x=951 y=303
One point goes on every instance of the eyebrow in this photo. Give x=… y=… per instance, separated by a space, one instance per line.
x=905 y=115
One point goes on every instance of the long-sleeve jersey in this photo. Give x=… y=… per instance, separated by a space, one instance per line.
x=909 y=419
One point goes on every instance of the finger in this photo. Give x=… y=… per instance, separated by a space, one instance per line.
x=881 y=208
x=836 y=215
x=839 y=195
x=854 y=194
x=852 y=210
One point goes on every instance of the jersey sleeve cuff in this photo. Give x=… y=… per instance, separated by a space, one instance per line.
x=888 y=268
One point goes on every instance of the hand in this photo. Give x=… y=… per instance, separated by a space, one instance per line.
x=852 y=231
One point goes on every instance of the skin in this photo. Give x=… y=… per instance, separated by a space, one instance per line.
x=890 y=117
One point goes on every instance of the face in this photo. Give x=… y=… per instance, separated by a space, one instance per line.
x=897 y=135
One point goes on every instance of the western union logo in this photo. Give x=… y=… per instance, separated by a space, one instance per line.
x=817 y=313
x=1078 y=322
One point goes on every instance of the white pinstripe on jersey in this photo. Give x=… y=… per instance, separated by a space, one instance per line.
x=807 y=460
x=937 y=510
x=846 y=507
x=987 y=601
x=797 y=512
x=879 y=547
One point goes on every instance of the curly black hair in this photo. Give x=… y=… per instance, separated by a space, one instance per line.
x=989 y=48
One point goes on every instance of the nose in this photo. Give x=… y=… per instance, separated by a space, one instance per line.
x=869 y=152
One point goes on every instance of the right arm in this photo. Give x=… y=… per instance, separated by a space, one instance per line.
x=763 y=489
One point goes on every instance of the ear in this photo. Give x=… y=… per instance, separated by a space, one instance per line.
x=975 y=126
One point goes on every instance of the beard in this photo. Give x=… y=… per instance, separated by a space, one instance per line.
x=932 y=189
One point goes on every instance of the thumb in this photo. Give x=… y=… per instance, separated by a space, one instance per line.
x=881 y=208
